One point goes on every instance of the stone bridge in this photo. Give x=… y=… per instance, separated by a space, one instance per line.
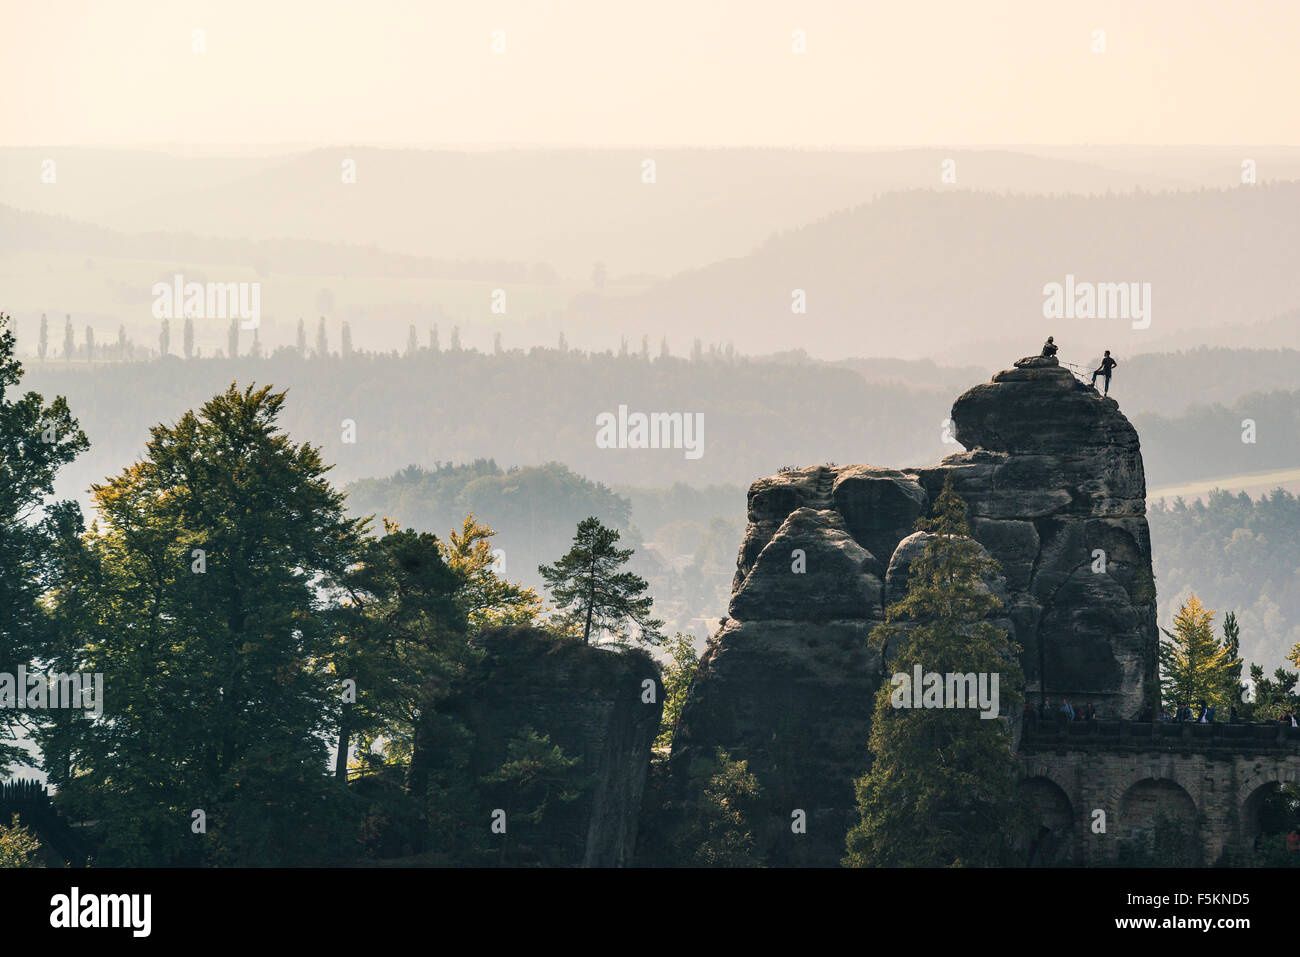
x=1204 y=784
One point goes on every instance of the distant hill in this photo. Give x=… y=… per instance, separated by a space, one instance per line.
x=959 y=276
x=571 y=208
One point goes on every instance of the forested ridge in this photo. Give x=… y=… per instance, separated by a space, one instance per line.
x=528 y=408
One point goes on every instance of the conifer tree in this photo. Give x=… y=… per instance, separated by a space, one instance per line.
x=1232 y=645
x=595 y=596
x=1194 y=666
x=941 y=788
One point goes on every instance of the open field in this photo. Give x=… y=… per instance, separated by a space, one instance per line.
x=1253 y=484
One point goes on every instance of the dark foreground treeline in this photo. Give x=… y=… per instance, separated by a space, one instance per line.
x=263 y=678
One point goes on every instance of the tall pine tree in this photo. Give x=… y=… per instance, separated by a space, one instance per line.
x=941 y=788
x=594 y=594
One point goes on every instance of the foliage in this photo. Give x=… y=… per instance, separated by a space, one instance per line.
x=720 y=833
x=36 y=440
x=1272 y=696
x=941 y=787
x=679 y=674
x=535 y=776
x=486 y=598
x=197 y=595
x=1194 y=665
x=19 y=847
x=1234 y=552
x=593 y=594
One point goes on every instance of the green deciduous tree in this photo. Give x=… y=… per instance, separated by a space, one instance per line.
x=679 y=674
x=36 y=440
x=941 y=788
x=406 y=644
x=197 y=595
x=486 y=598
x=592 y=592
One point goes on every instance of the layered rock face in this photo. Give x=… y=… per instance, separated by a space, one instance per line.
x=1054 y=483
x=591 y=702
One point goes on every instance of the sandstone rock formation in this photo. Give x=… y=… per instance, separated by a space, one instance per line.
x=592 y=703
x=1052 y=475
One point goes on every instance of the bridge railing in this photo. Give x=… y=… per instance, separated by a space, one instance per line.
x=1171 y=735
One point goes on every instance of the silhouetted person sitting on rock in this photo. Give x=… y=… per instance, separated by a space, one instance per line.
x=1049 y=348
x=1104 y=370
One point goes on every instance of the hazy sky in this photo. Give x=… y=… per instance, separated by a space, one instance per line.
x=667 y=72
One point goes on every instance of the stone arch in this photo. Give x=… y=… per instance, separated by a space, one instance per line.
x=1164 y=768
x=1052 y=838
x=1254 y=789
x=1157 y=814
x=1248 y=814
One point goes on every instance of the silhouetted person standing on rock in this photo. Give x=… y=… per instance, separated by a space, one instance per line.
x=1104 y=370
x=1049 y=348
